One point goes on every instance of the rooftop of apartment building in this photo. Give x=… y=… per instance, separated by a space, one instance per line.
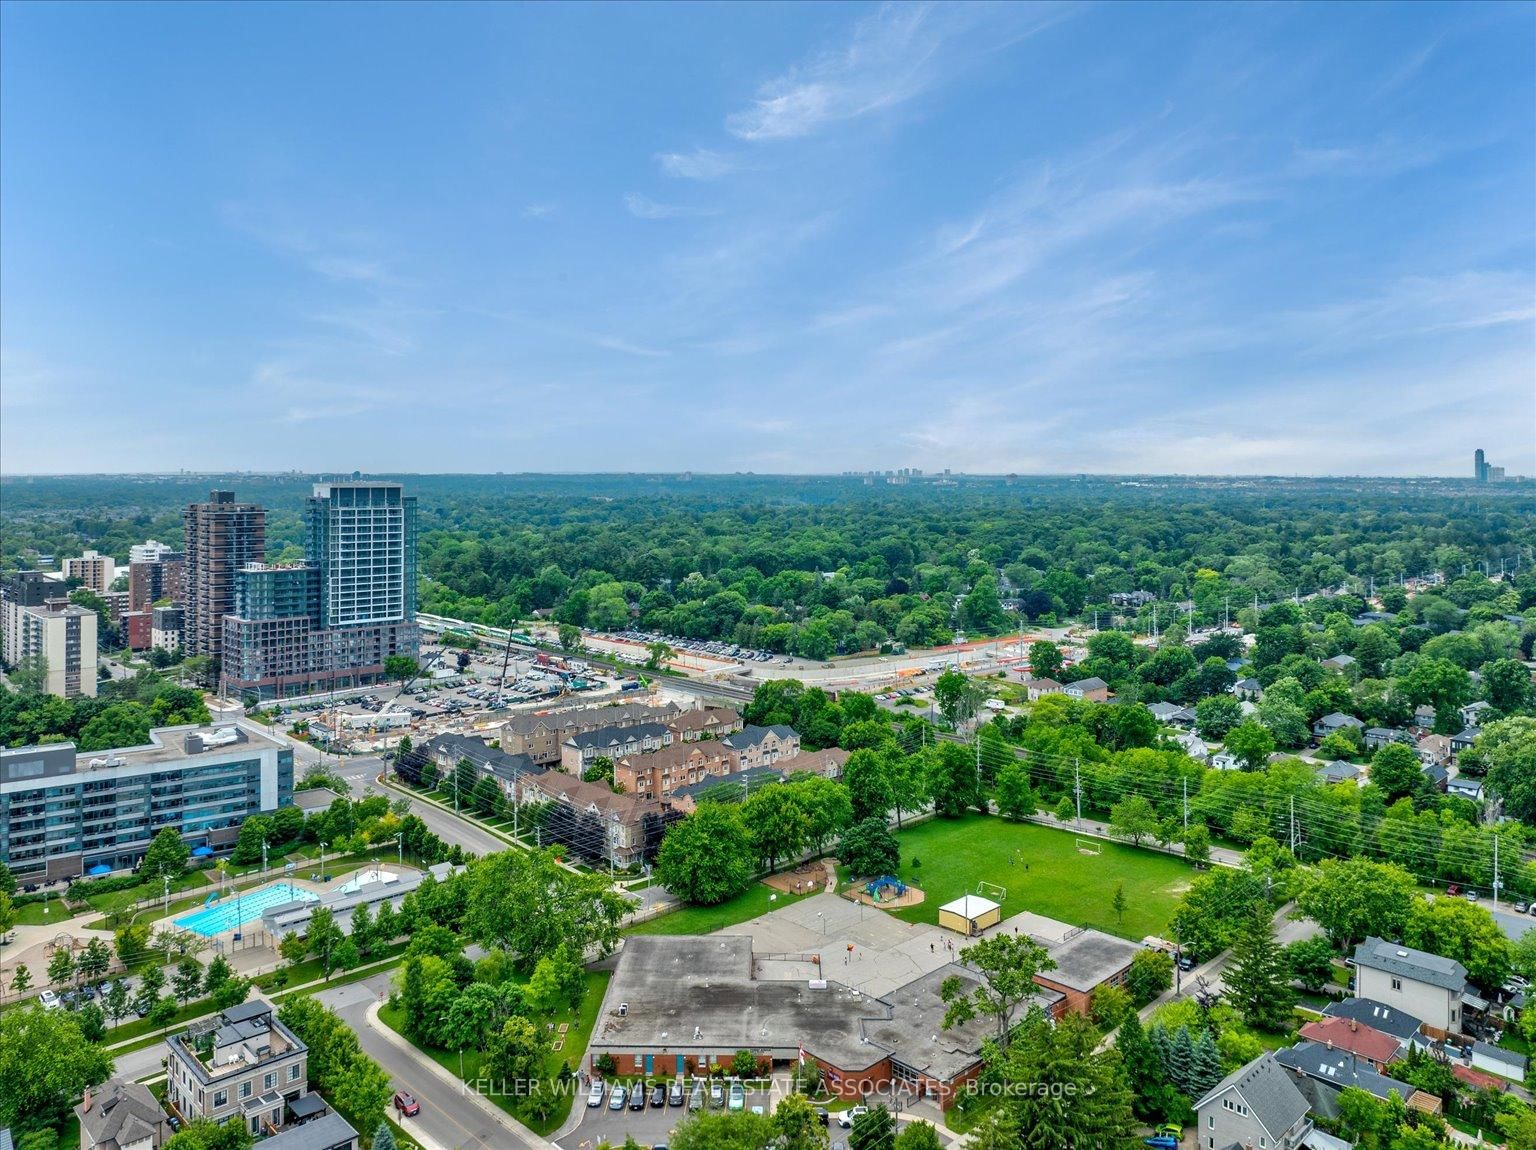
x=166 y=745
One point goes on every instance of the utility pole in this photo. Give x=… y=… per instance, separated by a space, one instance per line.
x=1293 y=824
x=1496 y=883
x=1077 y=789
x=1186 y=804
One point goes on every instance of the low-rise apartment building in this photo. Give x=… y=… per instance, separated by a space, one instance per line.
x=241 y=1064
x=63 y=811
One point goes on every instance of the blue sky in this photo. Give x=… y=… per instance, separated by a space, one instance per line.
x=807 y=237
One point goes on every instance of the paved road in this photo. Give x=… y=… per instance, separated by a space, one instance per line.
x=448 y=1119
x=141 y=1063
x=360 y=773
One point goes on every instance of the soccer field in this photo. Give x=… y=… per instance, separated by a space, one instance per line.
x=1043 y=871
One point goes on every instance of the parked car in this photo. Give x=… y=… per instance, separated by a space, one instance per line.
x=658 y=1095
x=824 y=1115
x=617 y=1098
x=675 y=1094
x=406 y=1105
x=595 y=1094
x=1520 y=908
x=848 y=1117
x=1470 y=896
x=738 y=1096
x=50 y=1000
x=637 y=1097
x=1453 y=890
x=716 y=1094
x=1186 y=962
x=696 y=1099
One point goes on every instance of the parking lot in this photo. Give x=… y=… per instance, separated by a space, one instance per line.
x=652 y=1126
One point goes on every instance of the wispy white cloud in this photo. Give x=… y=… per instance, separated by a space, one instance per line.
x=1379 y=158
x=699 y=164
x=539 y=211
x=645 y=208
x=894 y=55
x=627 y=347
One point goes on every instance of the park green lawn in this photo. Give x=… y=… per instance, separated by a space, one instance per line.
x=570 y=1054
x=1050 y=877
x=757 y=899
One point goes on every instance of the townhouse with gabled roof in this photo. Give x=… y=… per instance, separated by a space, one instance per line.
x=540 y=736
x=612 y=743
x=763 y=746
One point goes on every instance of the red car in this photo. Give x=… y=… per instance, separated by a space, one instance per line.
x=406 y=1105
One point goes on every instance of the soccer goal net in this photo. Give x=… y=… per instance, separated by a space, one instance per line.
x=992 y=890
x=1090 y=847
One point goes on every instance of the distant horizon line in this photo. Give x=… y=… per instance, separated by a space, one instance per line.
x=692 y=473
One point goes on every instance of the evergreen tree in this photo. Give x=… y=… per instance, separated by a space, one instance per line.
x=384 y=1137
x=1207 y=1067
x=1258 y=979
x=413 y=993
x=1157 y=1038
x=1181 y=1061
x=1076 y=1097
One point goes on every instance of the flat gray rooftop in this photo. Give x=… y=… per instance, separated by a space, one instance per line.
x=685 y=994
x=915 y=1034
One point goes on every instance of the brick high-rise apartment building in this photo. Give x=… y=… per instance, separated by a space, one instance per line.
x=222 y=537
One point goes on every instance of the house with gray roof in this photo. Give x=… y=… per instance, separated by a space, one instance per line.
x=1172 y=715
x=1248 y=689
x=1339 y=662
x=1256 y=1105
x=1465 y=787
x=121 y=1115
x=1337 y=721
x=328 y=1132
x=1092 y=689
x=1401 y=1025
x=1464 y=739
x=1381 y=736
x=1321 y=1074
x=1422 y=984
x=1340 y=771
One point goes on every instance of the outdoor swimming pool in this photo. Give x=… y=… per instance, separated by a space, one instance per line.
x=231 y=911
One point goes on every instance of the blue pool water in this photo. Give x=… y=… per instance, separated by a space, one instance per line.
x=230 y=912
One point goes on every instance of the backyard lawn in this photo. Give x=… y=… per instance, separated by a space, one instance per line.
x=1050 y=876
x=570 y=1054
x=757 y=899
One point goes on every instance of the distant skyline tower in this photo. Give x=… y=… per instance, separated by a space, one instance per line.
x=1479 y=466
